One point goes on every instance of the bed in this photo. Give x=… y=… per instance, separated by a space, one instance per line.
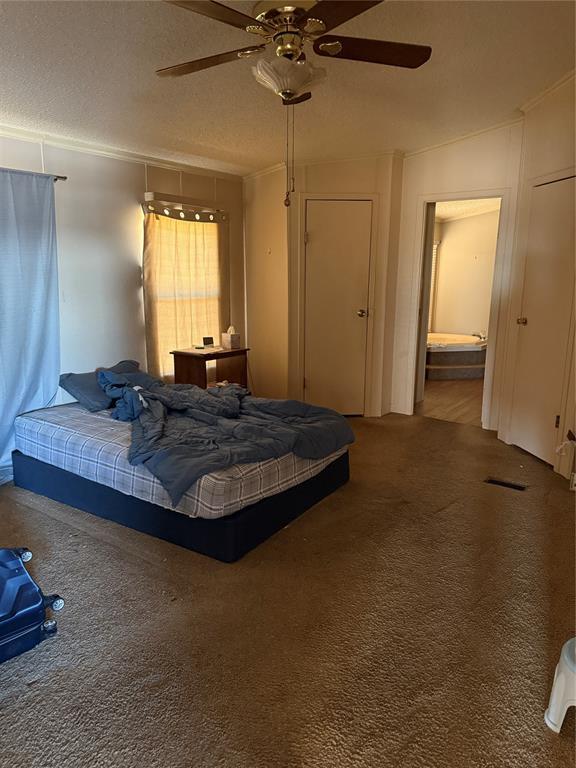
x=80 y=458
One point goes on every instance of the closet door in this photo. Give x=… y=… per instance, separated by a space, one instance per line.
x=338 y=234
x=547 y=299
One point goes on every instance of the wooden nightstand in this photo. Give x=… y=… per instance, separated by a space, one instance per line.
x=190 y=365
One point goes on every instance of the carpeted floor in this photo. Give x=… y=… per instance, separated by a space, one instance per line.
x=412 y=620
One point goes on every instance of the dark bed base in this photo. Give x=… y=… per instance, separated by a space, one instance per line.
x=226 y=538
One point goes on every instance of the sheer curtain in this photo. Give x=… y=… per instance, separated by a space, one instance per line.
x=182 y=288
x=29 y=330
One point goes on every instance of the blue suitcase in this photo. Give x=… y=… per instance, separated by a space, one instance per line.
x=23 y=619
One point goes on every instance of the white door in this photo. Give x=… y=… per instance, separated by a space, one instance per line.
x=338 y=234
x=425 y=298
x=546 y=308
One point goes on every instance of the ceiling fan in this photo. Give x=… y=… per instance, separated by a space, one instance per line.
x=288 y=28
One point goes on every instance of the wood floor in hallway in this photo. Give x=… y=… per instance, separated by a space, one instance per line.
x=455 y=400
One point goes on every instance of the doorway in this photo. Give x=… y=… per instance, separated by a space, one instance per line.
x=456 y=296
x=337 y=276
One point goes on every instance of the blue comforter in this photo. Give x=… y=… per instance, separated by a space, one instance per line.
x=182 y=432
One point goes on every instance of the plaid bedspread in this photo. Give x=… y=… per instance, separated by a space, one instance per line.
x=95 y=446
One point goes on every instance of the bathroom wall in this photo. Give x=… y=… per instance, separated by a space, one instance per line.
x=465 y=268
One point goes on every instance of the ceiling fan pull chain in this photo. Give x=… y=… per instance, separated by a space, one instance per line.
x=290 y=163
x=292 y=186
x=287 y=200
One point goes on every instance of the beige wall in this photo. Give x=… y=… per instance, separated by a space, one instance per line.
x=549 y=132
x=487 y=164
x=266 y=249
x=504 y=162
x=548 y=154
x=484 y=165
x=379 y=179
x=99 y=232
x=464 y=274
x=274 y=269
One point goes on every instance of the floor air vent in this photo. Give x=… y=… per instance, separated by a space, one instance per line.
x=505 y=483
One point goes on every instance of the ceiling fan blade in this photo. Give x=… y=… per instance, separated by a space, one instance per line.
x=219 y=12
x=297 y=99
x=375 y=51
x=336 y=12
x=210 y=61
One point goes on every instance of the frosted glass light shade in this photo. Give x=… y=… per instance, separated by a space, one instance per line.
x=287 y=78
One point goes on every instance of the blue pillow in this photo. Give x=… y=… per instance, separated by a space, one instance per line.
x=84 y=387
x=113 y=384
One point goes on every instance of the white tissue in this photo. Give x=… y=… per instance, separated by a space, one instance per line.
x=231 y=339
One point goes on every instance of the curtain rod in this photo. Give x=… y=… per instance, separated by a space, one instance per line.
x=35 y=173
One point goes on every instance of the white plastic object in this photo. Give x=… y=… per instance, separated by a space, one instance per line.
x=563 y=693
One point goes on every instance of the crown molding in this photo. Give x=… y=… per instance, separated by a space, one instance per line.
x=526 y=107
x=535 y=100
x=463 y=137
x=462 y=216
x=306 y=163
x=101 y=150
x=265 y=171
x=357 y=159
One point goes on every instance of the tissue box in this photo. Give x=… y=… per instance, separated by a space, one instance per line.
x=231 y=340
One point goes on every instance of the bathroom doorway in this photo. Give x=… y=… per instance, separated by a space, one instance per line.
x=454 y=335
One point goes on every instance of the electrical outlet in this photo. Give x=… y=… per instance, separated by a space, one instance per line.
x=573 y=481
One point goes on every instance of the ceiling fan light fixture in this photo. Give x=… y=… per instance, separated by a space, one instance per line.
x=288 y=44
x=287 y=29
x=287 y=77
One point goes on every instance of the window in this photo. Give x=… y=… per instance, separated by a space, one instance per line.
x=182 y=288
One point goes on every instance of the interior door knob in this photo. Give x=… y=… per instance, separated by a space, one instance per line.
x=361 y=312
x=522 y=320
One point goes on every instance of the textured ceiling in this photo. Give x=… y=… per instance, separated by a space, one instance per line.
x=85 y=70
x=462 y=209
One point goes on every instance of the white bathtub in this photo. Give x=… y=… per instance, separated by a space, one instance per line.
x=454 y=342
